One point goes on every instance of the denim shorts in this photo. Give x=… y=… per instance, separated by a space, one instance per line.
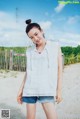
x=41 y=99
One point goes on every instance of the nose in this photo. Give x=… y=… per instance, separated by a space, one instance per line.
x=35 y=38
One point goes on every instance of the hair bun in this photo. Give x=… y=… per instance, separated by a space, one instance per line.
x=28 y=21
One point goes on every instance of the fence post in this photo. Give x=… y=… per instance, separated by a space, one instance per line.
x=11 y=60
x=6 y=59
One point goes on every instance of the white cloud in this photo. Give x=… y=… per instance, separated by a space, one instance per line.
x=65 y=38
x=59 y=8
x=69 y=42
x=72 y=36
x=7 y=21
x=3 y=14
x=11 y=33
x=46 y=25
x=73 y=19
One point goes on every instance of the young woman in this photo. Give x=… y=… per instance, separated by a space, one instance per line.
x=43 y=77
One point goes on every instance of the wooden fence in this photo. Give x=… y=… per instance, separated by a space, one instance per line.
x=10 y=60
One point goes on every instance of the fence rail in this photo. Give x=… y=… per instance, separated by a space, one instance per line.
x=10 y=60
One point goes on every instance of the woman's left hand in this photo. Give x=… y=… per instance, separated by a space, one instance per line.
x=58 y=97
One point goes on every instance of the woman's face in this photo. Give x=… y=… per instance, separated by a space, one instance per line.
x=36 y=35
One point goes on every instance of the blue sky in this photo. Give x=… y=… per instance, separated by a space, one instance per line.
x=59 y=21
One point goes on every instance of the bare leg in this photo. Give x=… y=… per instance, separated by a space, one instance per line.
x=31 y=111
x=49 y=110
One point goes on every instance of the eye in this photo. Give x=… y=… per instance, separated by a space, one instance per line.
x=31 y=37
x=36 y=34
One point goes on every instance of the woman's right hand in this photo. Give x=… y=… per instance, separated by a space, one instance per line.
x=19 y=97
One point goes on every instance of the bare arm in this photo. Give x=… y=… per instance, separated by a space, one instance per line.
x=59 y=82
x=19 y=96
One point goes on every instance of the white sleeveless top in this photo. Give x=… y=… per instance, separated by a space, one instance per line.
x=42 y=71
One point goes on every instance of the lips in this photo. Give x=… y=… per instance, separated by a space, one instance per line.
x=37 y=41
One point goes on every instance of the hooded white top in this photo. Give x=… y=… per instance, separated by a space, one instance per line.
x=42 y=71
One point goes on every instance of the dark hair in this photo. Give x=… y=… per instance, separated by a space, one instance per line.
x=31 y=25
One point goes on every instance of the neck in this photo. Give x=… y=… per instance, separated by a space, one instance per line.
x=41 y=45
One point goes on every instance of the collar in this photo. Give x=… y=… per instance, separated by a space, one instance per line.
x=46 y=46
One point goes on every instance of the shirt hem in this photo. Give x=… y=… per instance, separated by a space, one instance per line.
x=39 y=94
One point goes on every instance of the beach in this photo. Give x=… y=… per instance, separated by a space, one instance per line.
x=69 y=108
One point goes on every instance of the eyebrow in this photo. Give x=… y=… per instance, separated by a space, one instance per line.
x=33 y=34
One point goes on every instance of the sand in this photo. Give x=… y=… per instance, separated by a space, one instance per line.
x=69 y=108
